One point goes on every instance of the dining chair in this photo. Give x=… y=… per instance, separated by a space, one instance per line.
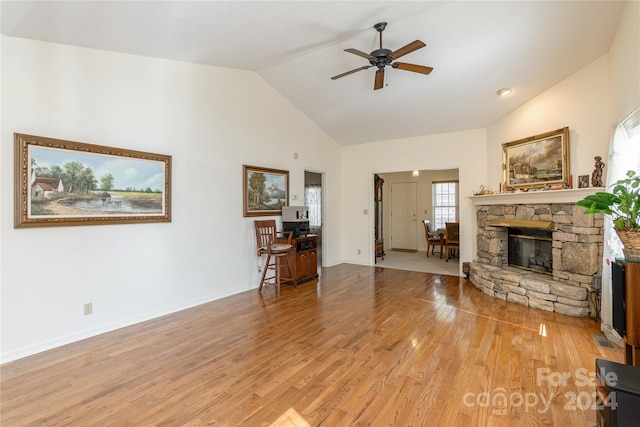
x=452 y=238
x=277 y=254
x=433 y=239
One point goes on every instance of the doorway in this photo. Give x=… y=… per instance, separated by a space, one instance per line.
x=314 y=200
x=407 y=259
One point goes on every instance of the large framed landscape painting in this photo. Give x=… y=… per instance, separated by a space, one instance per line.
x=265 y=190
x=536 y=162
x=67 y=183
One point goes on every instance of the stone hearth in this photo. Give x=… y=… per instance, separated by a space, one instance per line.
x=577 y=257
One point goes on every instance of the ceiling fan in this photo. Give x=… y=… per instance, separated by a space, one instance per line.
x=382 y=57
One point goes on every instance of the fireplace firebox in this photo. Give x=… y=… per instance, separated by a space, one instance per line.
x=530 y=249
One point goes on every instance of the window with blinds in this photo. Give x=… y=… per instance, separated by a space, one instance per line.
x=445 y=203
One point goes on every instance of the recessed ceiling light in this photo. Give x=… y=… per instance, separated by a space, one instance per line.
x=504 y=91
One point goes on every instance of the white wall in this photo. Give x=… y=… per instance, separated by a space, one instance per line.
x=579 y=102
x=211 y=120
x=465 y=151
x=624 y=65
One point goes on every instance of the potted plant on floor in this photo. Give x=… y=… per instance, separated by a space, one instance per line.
x=622 y=204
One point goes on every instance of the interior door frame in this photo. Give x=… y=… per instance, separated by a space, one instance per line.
x=466 y=209
x=323 y=210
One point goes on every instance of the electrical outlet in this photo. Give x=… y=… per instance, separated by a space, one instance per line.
x=88 y=308
x=359 y=251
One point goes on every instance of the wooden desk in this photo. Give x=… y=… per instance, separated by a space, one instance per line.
x=303 y=258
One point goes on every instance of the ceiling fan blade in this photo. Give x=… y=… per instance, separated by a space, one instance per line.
x=379 y=81
x=359 y=53
x=350 y=72
x=412 y=67
x=414 y=45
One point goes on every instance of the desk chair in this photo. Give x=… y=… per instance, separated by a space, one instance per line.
x=433 y=239
x=266 y=243
x=452 y=238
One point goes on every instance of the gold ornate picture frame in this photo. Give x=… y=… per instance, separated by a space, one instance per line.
x=537 y=161
x=68 y=183
x=265 y=190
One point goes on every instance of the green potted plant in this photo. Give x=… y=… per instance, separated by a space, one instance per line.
x=622 y=204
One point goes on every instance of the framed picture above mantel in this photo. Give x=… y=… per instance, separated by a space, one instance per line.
x=536 y=162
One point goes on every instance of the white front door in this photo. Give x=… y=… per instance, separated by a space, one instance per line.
x=403 y=215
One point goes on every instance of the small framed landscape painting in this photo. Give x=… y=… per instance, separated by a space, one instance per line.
x=65 y=183
x=265 y=190
x=537 y=161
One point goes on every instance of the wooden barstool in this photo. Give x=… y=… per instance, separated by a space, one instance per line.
x=277 y=259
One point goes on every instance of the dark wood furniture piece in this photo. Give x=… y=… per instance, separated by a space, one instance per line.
x=617 y=394
x=452 y=238
x=433 y=239
x=377 y=212
x=303 y=258
x=277 y=250
x=629 y=274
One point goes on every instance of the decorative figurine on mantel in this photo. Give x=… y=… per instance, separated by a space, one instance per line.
x=596 y=178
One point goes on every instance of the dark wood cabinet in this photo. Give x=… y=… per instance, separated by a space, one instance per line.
x=306 y=265
x=617 y=394
x=303 y=258
x=632 y=313
x=626 y=307
x=377 y=212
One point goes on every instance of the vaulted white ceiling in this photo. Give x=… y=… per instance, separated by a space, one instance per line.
x=475 y=48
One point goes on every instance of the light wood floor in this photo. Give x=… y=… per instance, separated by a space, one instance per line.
x=365 y=346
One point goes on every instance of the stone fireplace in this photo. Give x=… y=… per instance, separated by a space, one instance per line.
x=575 y=244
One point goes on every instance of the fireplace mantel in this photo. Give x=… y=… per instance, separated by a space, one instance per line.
x=521 y=223
x=550 y=196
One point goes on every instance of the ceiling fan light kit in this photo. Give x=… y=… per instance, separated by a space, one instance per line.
x=382 y=57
